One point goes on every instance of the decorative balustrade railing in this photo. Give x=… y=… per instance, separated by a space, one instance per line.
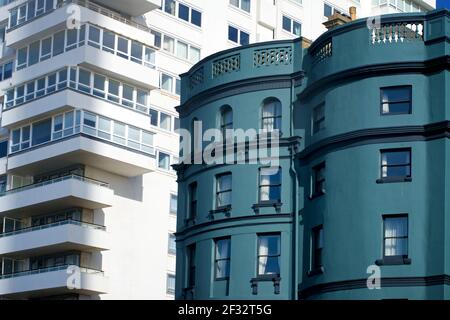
x=197 y=77
x=398 y=32
x=226 y=65
x=319 y=54
x=272 y=57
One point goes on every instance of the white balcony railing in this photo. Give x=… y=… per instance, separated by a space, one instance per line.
x=104 y=11
x=52 y=225
x=49 y=269
x=53 y=181
x=32 y=9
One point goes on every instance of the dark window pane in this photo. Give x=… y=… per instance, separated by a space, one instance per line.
x=58 y=43
x=154 y=117
x=273 y=245
x=272 y=265
x=327 y=10
x=196 y=18
x=287 y=24
x=108 y=41
x=183 y=12
x=399 y=107
x=232 y=34
x=136 y=52
x=403 y=171
x=157 y=38
x=33 y=53
x=396 y=94
x=396 y=158
x=7 y=73
x=245 y=38
x=42 y=132
x=3 y=149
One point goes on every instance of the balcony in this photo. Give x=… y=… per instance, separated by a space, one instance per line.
x=270 y=59
x=407 y=43
x=55 y=18
x=51 y=281
x=95 y=59
x=63 y=96
x=132 y=8
x=67 y=235
x=128 y=152
x=56 y=194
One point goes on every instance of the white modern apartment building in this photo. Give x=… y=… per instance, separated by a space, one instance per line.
x=87 y=134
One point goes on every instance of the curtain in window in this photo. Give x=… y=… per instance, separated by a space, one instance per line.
x=271 y=116
x=263 y=254
x=270 y=182
x=265 y=187
x=222 y=257
x=396 y=233
x=224 y=187
x=269 y=251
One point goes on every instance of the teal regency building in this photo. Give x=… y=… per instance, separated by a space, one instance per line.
x=362 y=183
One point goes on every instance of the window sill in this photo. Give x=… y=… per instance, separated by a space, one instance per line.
x=394 y=180
x=189 y=293
x=222 y=279
x=225 y=210
x=317 y=195
x=392 y=114
x=267 y=204
x=240 y=10
x=190 y=221
x=393 y=261
x=316 y=272
x=268 y=135
x=266 y=278
x=275 y=278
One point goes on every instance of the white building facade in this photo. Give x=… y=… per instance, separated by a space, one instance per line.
x=87 y=137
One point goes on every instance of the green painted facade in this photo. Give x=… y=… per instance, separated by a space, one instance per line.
x=345 y=70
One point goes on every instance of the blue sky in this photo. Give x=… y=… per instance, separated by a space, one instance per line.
x=443 y=4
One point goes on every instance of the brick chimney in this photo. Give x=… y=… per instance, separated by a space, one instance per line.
x=305 y=43
x=352 y=11
x=339 y=19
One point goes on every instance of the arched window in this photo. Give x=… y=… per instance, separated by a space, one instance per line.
x=271 y=115
x=226 y=121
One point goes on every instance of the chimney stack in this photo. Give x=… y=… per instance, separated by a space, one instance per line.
x=338 y=19
x=352 y=13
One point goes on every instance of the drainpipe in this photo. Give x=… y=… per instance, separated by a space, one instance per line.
x=293 y=175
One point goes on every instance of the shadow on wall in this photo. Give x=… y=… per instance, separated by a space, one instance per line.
x=130 y=188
